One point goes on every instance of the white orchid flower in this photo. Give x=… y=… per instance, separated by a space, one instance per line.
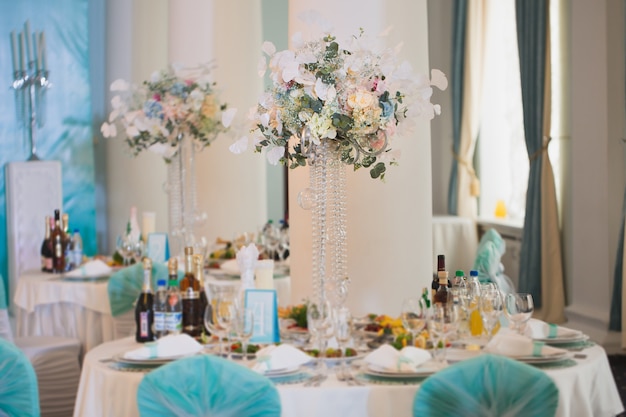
x=269 y=48
x=274 y=154
x=108 y=130
x=120 y=85
x=261 y=66
x=438 y=79
x=162 y=149
x=132 y=131
x=240 y=146
x=227 y=116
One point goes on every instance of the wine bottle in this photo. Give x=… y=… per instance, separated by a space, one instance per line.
x=57 y=239
x=46 y=248
x=189 y=289
x=441 y=266
x=144 y=309
x=198 y=264
x=441 y=296
x=65 y=223
x=174 y=308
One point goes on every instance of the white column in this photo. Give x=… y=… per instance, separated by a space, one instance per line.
x=231 y=188
x=389 y=224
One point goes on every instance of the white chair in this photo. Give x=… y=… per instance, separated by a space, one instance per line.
x=33 y=191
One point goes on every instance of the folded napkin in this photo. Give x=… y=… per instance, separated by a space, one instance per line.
x=537 y=329
x=283 y=356
x=406 y=360
x=512 y=344
x=95 y=268
x=247 y=258
x=166 y=347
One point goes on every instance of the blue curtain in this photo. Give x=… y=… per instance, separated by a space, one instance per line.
x=67 y=134
x=532 y=21
x=456 y=85
x=615 y=321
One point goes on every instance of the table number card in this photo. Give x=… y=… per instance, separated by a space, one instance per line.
x=265 y=310
x=158 y=247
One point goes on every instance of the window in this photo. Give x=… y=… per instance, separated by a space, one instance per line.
x=502 y=159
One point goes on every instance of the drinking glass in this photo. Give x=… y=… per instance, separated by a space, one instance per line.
x=442 y=324
x=216 y=296
x=343 y=325
x=243 y=325
x=518 y=308
x=225 y=312
x=211 y=323
x=413 y=316
x=319 y=322
x=125 y=248
x=491 y=306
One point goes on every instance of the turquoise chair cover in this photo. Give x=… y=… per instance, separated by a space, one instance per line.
x=19 y=393
x=490 y=269
x=206 y=385
x=126 y=284
x=492 y=235
x=487 y=386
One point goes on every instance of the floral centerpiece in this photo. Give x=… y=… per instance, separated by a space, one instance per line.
x=174 y=103
x=355 y=96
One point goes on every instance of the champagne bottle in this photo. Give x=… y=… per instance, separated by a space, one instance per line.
x=144 y=309
x=174 y=308
x=57 y=239
x=46 y=248
x=198 y=264
x=189 y=288
x=442 y=295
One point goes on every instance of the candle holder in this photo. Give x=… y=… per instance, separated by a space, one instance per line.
x=30 y=83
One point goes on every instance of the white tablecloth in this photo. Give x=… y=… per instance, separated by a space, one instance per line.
x=47 y=305
x=457 y=239
x=585 y=390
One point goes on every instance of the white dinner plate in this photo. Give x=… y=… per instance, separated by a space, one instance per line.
x=542 y=359
x=150 y=361
x=424 y=370
x=564 y=340
x=282 y=372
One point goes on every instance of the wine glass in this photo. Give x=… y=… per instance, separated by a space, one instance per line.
x=243 y=325
x=215 y=294
x=319 y=322
x=519 y=308
x=491 y=306
x=413 y=316
x=125 y=248
x=343 y=325
x=442 y=324
x=225 y=312
x=138 y=249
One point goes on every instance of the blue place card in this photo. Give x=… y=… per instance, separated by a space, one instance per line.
x=158 y=247
x=265 y=310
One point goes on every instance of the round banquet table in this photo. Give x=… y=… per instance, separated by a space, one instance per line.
x=51 y=305
x=586 y=389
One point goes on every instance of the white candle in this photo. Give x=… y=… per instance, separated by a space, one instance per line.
x=14 y=51
x=148 y=223
x=264 y=274
x=36 y=53
x=42 y=50
x=29 y=46
x=21 y=43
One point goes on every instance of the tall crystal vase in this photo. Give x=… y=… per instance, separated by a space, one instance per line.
x=183 y=215
x=329 y=221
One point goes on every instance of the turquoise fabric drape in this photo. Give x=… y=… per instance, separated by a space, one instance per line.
x=67 y=135
x=19 y=392
x=487 y=385
x=615 y=321
x=125 y=285
x=532 y=21
x=207 y=386
x=456 y=86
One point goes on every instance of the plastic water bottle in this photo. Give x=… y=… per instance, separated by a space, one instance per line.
x=76 y=250
x=160 y=309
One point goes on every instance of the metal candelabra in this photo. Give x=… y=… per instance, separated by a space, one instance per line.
x=30 y=82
